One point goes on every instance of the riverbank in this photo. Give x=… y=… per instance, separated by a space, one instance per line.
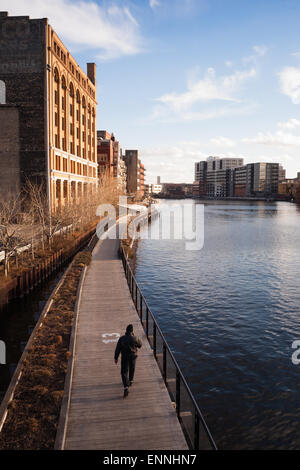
x=32 y=272
x=29 y=412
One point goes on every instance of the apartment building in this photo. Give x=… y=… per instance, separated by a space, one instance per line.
x=265 y=179
x=135 y=173
x=218 y=178
x=48 y=110
x=239 y=182
x=107 y=154
x=213 y=177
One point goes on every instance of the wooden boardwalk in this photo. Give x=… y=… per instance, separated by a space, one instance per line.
x=99 y=417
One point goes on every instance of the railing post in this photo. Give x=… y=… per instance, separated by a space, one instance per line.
x=136 y=292
x=141 y=307
x=147 y=322
x=154 y=339
x=196 y=431
x=177 y=393
x=164 y=362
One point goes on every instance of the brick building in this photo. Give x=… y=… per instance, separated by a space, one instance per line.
x=135 y=173
x=107 y=154
x=47 y=112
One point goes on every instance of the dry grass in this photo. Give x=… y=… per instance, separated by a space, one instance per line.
x=33 y=414
x=26 y=262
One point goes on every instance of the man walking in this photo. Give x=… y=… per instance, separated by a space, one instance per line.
x=127 y=346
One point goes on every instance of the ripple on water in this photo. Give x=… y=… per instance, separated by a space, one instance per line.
x=230 y=313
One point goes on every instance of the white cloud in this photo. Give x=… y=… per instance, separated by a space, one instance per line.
x=219 y=94
x=290 y=124
x=278 y=138
x=296 y=54
x=166 y=161
x=290 y=83
x=154 y=3
x=259 y=51
x=209 y=88
x=223 y=142
x=164 y=115
x=110 y=31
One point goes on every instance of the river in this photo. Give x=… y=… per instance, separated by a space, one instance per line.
x=230 y=313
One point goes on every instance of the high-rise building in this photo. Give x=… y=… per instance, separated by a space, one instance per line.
x=282 y=174
x=265 y=179
x=135 y=173
x=213 y=178
x=47 y=112
x=240 y=181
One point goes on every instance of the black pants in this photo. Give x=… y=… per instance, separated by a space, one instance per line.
x=127 y=365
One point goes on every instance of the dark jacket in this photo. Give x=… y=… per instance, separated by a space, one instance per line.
x=127 y=345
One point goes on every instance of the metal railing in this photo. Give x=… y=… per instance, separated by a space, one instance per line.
x=188 y=413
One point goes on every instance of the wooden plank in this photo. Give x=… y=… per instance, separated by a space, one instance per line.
x=99 y=417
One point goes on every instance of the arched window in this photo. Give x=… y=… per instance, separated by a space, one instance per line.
x=71 y=90
x=56 y=75
x=2 y=92
x=83 y=102
x=63 y=83
x=77 y=97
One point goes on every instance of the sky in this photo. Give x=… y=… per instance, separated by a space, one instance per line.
x=181 y=80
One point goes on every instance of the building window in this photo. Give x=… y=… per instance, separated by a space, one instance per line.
x=71 y=129
x=65 y=164
x=65 y=189
x=56 y=140
x=55 y=119
x=77 y=132
x=78 y=151
x=83 y=119
x=71 y=147
x=55 y=97
x=57 y=162
x=2 y=92
x=73 y=187
x=63 y=144
x=77 y=114
x=63 y=102
x=63 y=123
x=71 y=109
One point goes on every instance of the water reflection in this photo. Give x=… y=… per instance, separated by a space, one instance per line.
x=231 y=313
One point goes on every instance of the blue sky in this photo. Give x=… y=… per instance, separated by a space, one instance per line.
x=184 y=79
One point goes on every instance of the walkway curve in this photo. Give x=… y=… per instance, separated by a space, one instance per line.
x=98 y=416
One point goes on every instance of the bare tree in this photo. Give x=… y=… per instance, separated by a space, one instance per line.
x=50 y=221
x=11 y=238
x=109 y=190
